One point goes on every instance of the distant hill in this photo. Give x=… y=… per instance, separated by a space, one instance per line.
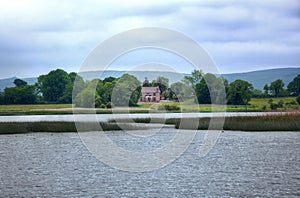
x=9 y=82
x=257 y=78
x=262 y=77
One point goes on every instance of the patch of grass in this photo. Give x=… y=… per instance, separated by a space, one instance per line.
x=33 y=107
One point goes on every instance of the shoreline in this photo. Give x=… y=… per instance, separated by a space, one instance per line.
x=67 y=123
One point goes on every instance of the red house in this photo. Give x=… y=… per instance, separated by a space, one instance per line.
x=150 y=94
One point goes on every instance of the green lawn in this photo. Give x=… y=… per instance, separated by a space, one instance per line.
x=33 y=107
x=264 y=101
x=256 y=104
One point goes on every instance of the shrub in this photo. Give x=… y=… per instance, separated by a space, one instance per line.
x=273 y=106
x=103 y=106
x=172 y=107
x=108 y=105
x=298 y=99
x=280 y=103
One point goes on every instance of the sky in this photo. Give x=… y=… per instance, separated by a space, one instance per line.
x=37 y=36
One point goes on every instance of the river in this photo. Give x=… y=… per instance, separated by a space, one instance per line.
x=242 y=164
x=105 y=117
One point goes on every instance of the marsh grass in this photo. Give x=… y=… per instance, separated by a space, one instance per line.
x=28 y=127
x=278 y=122
x=283 y=122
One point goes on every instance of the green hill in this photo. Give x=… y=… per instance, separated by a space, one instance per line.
x=262 y=77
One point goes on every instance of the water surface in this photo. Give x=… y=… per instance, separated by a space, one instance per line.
x=242 y=164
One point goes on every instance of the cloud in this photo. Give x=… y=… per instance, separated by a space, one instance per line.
x=37 y=36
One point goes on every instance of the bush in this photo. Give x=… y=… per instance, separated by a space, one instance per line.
x=298 y=99
x=280 y=103
x=108 y=105
x=172 y=107
x=103 y=106
x=274 y=106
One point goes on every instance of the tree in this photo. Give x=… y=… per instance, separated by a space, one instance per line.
x=108 y=87
x=195 y=78
x=239 y=92
x=127 y=91
x=276 y=88
x=258 y=93
x=19 y=83
x=266 y=90
x=88 y=97
x=109 y=79
x=53 y=85
x=202 y=92
x=146 y=82
x=294 y=86
x=211 y=89
x=1 y=98
x=74 y=87
x=20 y=95
x=181 y=91
x=162 y=83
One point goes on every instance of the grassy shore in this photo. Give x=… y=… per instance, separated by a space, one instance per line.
x=29 y=127
x=280 y=122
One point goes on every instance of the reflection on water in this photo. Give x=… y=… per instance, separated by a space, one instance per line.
x=242 y=164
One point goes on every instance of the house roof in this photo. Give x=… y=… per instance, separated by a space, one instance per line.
x=150 y=90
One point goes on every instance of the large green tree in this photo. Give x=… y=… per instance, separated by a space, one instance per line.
x=127 y=91
x=239 y=92
x=194 y=79
x=211 y=89
x=162 y=83
x=181 y=91
x=20 y=95
x=88 y=97
x=276 y=88
x=73 y=88
x=294 y=86
x=53 y=85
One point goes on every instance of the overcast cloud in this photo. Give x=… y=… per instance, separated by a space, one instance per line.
x=38 y=36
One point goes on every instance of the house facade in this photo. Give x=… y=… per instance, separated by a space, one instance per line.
x=150 y=94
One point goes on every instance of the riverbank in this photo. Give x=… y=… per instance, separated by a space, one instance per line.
x=260 y=122
x=232 y=121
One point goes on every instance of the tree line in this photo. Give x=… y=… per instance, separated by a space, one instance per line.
x=58 y=87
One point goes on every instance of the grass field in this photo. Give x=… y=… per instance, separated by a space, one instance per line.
x=256 y=104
